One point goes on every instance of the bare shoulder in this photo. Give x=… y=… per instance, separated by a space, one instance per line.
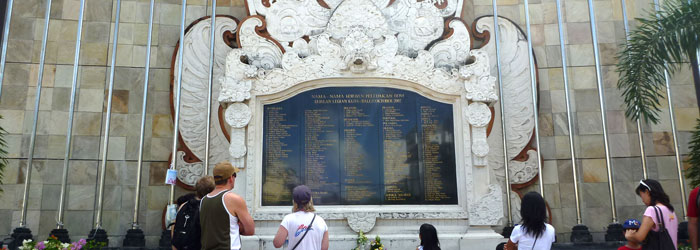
x=234 y=199
x=231 y=196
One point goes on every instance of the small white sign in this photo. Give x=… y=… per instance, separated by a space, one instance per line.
x=171 y=177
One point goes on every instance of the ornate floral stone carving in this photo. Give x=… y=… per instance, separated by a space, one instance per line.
x=234 y=90
x=238 y=147
x=358 y=15
x=376 y=39
x=453 y=50
x=289 y=20
x=260 y=51
x=479 y=83
x=480 y=146
x=523 y=171
x=238 y=115
x=188 y=173
x=479 y=114
x=489 y=207
x=362 y=221
x=423 y=24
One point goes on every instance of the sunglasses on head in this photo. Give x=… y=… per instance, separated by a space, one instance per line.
x=644 y=184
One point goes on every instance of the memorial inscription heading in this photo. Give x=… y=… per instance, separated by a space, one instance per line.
x=359 y=146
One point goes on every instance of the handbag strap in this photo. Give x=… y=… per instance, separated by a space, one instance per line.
x=660 y=220
x=533 y=244
x=307 y=231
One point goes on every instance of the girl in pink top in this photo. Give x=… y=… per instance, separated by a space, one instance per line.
x=653 y=194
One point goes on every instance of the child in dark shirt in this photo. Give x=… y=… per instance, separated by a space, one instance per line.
x=630 y=224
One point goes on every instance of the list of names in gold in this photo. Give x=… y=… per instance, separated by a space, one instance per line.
x=277 y=175
x=357 y=185
x=396 y=164
x=318 y=139
x=355 y=119
x=359 y=146
x=432 y=163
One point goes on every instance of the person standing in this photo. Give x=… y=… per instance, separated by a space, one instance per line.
x=218 y=233
x=185 y=234
x=304 y=229
x=428 y=238
x=658 y=214
x=534 y=233
x=693 y=218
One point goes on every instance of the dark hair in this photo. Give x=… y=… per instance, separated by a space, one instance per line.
x=184 y=198
x=500 y=246
x=428 y=237
x=534 y=213
x=656 y=192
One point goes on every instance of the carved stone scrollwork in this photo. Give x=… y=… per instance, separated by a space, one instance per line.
x=358 y=14
x=518 y=108
x=237 y=148
x=489 y=207
x=194 y=95
x=289 y=20
x=452 y=51
x=480 y=146
x=362 y=221
x=479 y=115
x=374 y=39
x=478 y=82
x=516 y=80
x=423 y=25
x=236 y=85
x=188 y=173
x=523 y=171
x=261 y=51
x=515 y=202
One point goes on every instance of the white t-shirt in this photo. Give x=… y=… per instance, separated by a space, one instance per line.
x=525 y=241
x=296 y=225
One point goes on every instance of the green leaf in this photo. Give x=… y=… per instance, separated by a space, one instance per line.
x=663 y=39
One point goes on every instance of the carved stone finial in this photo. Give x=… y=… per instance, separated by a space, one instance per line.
x=238 y=115
x=352 y=14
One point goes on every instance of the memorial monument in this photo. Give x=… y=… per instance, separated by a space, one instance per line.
x=381 y=107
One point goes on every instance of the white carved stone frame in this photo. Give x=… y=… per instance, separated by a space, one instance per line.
x=359 y=46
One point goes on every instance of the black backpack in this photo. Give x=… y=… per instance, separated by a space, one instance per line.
x=187 y=231
x=660 y=240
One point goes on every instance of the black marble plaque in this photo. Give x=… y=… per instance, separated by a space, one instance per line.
x=359 y=146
